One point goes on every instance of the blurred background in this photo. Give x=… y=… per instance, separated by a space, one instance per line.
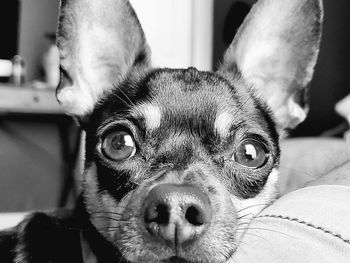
x=39 y=144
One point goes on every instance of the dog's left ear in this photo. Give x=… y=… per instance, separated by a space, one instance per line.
x=100 y=43
x=275 y=52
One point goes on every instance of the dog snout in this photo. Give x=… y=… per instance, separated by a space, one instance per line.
x=176 y=214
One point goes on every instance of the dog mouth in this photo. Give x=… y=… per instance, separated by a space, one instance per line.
x=177 y=259
x=180 y=259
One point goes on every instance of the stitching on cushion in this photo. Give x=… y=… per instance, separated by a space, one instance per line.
x=307 y=224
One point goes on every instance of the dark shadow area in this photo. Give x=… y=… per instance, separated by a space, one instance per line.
x=234 y=19
x=9 y=22
x=9 y=26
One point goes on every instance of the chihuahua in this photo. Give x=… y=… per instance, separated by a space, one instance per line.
x=177 y=161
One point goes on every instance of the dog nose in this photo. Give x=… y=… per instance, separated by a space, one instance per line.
x=176 y=213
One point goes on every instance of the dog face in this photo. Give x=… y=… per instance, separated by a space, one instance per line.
x=179 y=147
x=178 y=161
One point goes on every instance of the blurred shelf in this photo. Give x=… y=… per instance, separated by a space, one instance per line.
x=28 y=100
x=29 y=103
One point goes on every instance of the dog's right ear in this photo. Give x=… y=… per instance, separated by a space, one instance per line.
x=99 y=42
x=275 y=52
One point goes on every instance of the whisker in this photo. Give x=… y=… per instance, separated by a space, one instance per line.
x=245 y=215
x=243 y=223
x=117 y=87
x=110 y=218
x=254 y=235
x=264 y=204
x=108 y=212
x=241 y=107
x=241 y=248
x=107 y=229
x=269 y=230
x=105 y=212
x=118 y=97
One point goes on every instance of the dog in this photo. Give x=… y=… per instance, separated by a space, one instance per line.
x=177 y=161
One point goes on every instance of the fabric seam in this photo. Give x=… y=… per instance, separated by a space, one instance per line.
x=297 y=220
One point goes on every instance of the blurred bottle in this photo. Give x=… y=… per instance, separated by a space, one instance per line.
x=51 y=62
x=18 y=76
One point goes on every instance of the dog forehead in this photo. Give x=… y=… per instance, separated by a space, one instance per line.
x=190 y=90
x=189 y=94
x=181 y=99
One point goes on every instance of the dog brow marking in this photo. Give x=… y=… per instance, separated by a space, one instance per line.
x=152 y=115
x=223 y=123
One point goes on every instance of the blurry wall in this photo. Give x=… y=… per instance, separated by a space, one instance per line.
x=331 y=81
x=179 y=32
x=37 y=18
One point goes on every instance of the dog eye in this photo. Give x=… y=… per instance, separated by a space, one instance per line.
x=118 y=146
x=251 y=153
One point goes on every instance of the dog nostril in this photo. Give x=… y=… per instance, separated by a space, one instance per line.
x=163 y=214
x=158 y=214
x=194 y=216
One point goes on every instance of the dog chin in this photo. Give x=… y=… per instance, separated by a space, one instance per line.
x=175 y=259
x=166 y=256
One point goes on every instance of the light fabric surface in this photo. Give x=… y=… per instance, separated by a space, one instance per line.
x=307 y=159
x=308 y=225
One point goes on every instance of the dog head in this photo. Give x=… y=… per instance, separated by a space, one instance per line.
x=178 y=160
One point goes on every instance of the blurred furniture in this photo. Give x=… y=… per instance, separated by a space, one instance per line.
x=306 y=159
x=27 y=100
x=25 y=103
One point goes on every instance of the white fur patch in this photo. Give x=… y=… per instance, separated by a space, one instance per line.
x=75 y=101
x=223 y=123
x=248 y=208
x=151 y=113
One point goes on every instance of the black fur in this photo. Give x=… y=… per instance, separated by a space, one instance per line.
x=55 y=237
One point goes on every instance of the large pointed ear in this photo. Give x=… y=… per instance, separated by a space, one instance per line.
x=275 y=52
x=99 y=42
